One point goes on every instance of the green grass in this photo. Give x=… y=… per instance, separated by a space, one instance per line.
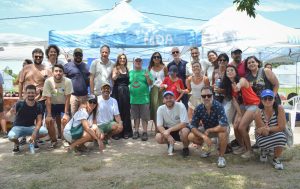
x=287 y=91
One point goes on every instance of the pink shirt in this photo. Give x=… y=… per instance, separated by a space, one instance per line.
x=240 y=68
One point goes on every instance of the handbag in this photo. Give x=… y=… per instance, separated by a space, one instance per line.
x=289 y=136
x=77 y=131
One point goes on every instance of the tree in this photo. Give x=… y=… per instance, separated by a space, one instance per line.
x=247 y=5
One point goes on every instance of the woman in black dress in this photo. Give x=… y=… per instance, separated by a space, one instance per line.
x=121 y=94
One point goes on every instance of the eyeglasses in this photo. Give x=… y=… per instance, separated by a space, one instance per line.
x=269 y=98
x=222 y=60
x=36 y=57
x=208 y=95
x=93 y=101
x=78 y=55
x=175 y=52
x=156 y=57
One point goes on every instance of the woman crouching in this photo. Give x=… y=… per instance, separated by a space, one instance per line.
x=80 y=129
x=270 y=123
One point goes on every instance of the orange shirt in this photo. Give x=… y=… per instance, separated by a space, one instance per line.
x=248 y=95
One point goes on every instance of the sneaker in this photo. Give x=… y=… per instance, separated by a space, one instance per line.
x=170 y=149
x=239 y=151
x=277 y=164
x=16 y=149
x=36 y=146
x=53 y=144
x=263 y=156
x=234 y=144
x=204 y=154
x=144 y=136
x=22 y=141
x=247 y=155
x=221 y=162
x=136 y=135
x=185 y=152
x=5 y=135
x=66 y=144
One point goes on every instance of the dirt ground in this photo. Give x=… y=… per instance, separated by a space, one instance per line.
x=136 y=164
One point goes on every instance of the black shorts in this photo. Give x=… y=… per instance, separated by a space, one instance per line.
x=174 y=134
x=57 y=109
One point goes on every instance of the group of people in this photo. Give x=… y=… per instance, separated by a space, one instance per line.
x=191 y=102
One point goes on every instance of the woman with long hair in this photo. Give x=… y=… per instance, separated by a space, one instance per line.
x=245 y=102
x=212 y=57
x=120 y=92
x=194 y=85
x=270 y=123
x=159 y=71
x=261 y=78
x=82 y=127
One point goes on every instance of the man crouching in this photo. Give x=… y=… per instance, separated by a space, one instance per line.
x=214 y=124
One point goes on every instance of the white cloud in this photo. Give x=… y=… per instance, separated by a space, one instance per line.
x=277 y=6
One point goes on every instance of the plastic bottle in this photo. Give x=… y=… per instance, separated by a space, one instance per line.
x=31 y=148
x=218 y=84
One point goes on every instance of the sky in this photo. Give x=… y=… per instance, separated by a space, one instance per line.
x=286 y=12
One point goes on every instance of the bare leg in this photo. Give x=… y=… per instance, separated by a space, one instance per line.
x=222 y=143
x=136 y=124
x=243 y=128
x=184 y=137
x=277 y=152
x=58 y=123
x=145 y=125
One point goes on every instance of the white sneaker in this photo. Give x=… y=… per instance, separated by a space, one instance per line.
x=277 y=164
x=263 y=156
x=239 y=151
x=221 y=162
x=65 y=143
x=247 y=155
x=170 y=149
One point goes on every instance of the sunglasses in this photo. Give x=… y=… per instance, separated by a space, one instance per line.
x=208 y=95
x=156 y=57
x=222 y=60
x=269 y=98
x=93 y=101
x=78 y=55
x=36 y=57
x=175 y=52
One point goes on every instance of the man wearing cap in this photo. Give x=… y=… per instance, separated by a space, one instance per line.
x=236 y=55
x=139 y=82
x=172 y=121
x=78 y=72
x=57 y=90
x=181 y=66
x=211 y=115
x=108 y=115
x=101 y=71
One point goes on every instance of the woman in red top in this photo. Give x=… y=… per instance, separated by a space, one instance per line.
x=245 y=102
x=173 y=83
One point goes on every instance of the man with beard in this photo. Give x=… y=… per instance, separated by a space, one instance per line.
x=34 y=74
x=172 y=120
x=236 y=55
x=57 y=90
x=211 y=115
x=108 y=116
x=79 y=74
x=28 y=119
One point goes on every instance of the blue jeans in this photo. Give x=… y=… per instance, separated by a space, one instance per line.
x=20 y=131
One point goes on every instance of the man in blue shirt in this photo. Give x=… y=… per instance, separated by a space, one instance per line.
x=181 y=66
x=79 y=74
x=212 y=115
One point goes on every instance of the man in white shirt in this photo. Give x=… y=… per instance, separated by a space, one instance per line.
x=172 y=121
x=101 y=71
x=108 y=115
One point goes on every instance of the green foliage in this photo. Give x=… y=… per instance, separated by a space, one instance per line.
x=247 y=5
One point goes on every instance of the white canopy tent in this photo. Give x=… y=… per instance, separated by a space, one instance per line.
x=255 y=36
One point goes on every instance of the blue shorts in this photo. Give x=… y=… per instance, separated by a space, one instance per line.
x=20 y=131
x=57 y=109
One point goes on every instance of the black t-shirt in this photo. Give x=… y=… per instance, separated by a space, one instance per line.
x=26 y=115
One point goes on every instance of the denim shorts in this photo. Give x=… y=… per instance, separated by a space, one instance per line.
x=251 y=108
x=20 y=131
